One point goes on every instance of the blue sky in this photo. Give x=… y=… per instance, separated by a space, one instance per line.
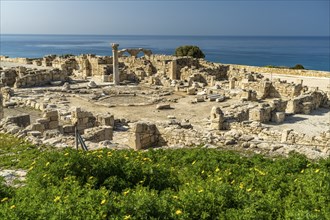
x=263 y=17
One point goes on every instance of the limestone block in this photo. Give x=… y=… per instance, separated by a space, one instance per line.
x=278 y=117
x=191 y=91
x=307 y=107
x=144 y=135
x=20 y=120
x=199 y=99
x=67 y=129
x=260 y=114
x=38 y=127
x=285 y=135
x=50 y=113
x=34 y=133
x=53 y=124
x=232 y=84
x=106 y=119
x=216 y=118
x=163 y=106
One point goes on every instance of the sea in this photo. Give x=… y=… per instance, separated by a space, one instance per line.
x=311 y=52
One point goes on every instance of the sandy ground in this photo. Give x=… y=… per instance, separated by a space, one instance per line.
x=312 y=125
x=322 y=82
x=10 y=64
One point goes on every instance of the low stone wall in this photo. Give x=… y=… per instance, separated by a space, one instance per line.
x=144 y=135
x=257 y=69
x=16 y=60
x=98 y=134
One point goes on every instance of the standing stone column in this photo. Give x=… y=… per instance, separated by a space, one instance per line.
x=1 y=107
x=115 y=63
x=173 y=69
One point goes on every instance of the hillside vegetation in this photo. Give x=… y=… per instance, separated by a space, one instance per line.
x=161 y=184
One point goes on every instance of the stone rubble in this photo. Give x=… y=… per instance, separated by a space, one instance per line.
x=241 y=103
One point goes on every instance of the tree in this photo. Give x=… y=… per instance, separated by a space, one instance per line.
x=298 y=67
x=189 y=50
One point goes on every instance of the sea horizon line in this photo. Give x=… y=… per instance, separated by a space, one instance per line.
x=162 y=35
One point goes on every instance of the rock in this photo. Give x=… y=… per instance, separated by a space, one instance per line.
x=245 y=145
x=163 y=106
x=56 y=83
x=91 y=84
x=191 y=91
x=220 y=99
x=34 y=133
x=210 y=146
x=66 y=86
x=245 y=137
x=185 y=125
x=278 y=117
x=230 y=142
x=264 y=146
x=171 y=117
x=199 y=99
x=9 y=104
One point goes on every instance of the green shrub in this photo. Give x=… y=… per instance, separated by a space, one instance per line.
x=189 y=50
x=298 y=67
x=169 y=184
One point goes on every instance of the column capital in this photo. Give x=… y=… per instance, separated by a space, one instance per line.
x=114 y=46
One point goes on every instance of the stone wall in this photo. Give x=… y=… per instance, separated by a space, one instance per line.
x=279 y=71
x=307 y=102
x=144 y=135
x=21 y=77
x=82 y=119
x=98 y=134
x=49 y=121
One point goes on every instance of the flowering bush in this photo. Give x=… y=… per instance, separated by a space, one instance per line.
x=169 y=184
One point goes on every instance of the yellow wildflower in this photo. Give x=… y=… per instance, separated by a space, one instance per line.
x=193 y=162
x=178 y=212
x=127 y=217
x=47 y=164
x=260 y=172
x=241 y=185
x=57 y=198
x=317 y=170
x=66 y=154
x=13 y=206
x=217 y=170
x=249 y=189
x=126 y=192
x=103 y=202
x=302 y=171
x=203 y=171
x=200 y=191
x=4 y=199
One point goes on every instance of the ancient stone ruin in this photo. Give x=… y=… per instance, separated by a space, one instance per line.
x=137 y=99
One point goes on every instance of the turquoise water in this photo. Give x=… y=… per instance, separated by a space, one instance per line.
x=311 y=52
